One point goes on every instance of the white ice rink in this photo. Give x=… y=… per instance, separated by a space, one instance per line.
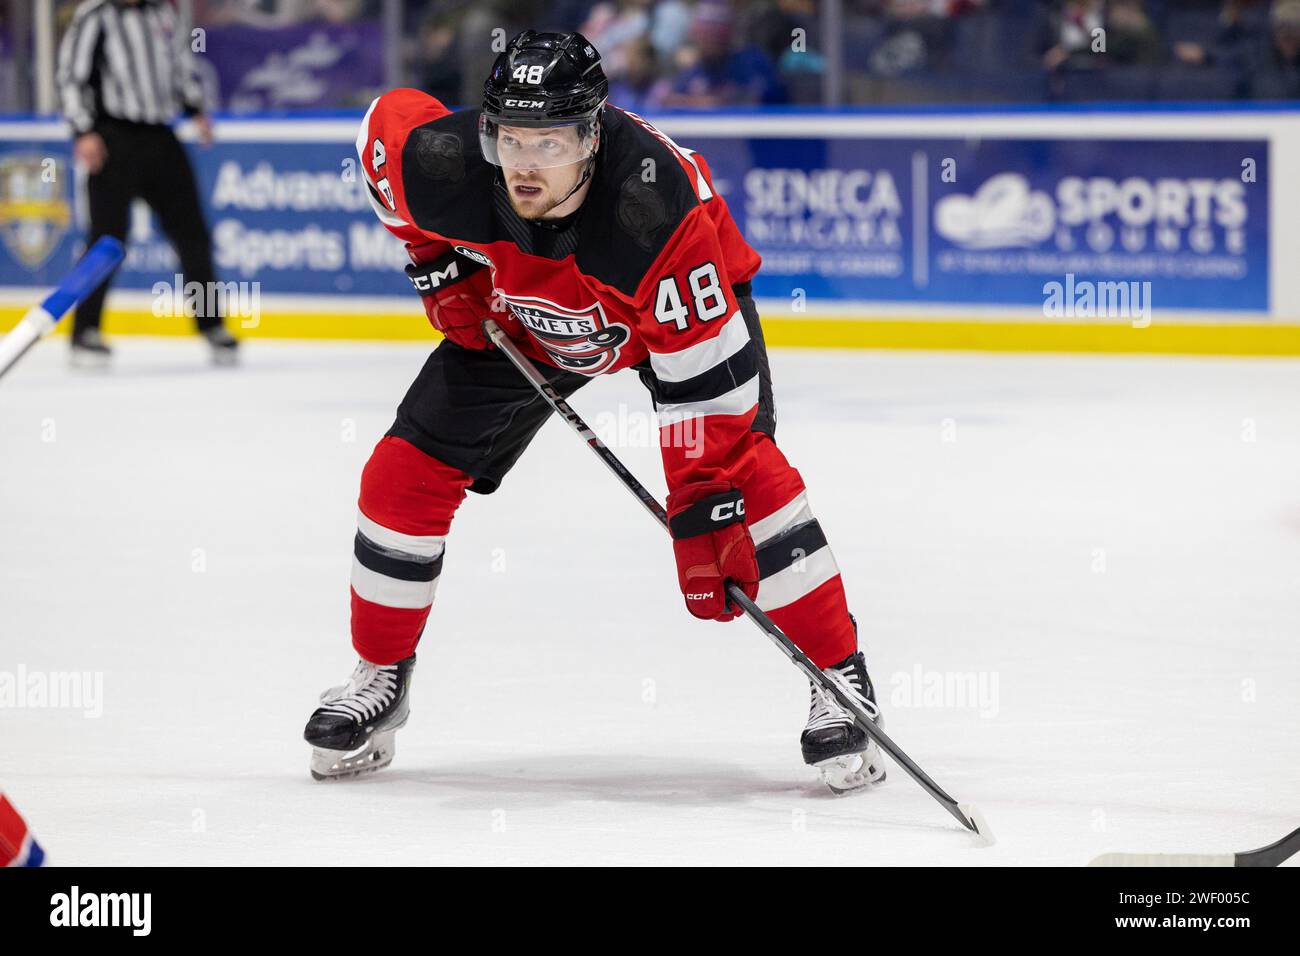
x=1106 y=549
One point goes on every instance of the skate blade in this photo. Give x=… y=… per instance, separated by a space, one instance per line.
x=341 y=764
x=225 y=358
x=853 y=772
x=89 y=361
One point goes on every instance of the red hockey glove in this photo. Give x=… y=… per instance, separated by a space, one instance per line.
x=712 y=546
x=457 y=292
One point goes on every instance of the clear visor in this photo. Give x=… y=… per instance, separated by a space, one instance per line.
x=523 y=147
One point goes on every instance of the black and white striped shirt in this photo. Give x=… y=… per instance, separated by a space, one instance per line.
x=126 y=61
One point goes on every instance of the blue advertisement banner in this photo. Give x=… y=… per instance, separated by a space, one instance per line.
x=991 y=221
x=980 y=222
x=292 y=216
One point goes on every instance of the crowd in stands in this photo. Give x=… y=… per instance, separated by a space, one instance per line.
x=709 y=53
x=701 y=54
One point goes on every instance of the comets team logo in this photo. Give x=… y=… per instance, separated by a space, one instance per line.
x=578 y=340
x=34 y=215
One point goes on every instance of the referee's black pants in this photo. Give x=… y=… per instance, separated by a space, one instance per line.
x=148 y=162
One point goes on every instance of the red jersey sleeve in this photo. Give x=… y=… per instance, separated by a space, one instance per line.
x=381 y=142
x=703 y=361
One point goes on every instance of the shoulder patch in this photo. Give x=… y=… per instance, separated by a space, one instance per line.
x=640 y=211
x=446 y=180
x=440 y=155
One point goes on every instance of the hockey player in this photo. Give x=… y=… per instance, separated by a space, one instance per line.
x=598 y=244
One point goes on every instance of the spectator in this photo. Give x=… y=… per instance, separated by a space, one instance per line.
x=1277 y=69
x=1070 y=33
x=712 y=74
x=612 y=27
x=435 y=63
x=438 y=69
x=914 y=9
x=479 y=35
x=772 y=28
x=641 y=89
x=1242 y=32
x=670 y=23
x=1131 y=37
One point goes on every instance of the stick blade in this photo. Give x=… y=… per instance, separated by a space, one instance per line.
x=975 y=820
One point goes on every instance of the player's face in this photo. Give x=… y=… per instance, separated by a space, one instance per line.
x=533 y=162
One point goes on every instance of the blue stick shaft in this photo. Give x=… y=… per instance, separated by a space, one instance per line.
x=94 y=267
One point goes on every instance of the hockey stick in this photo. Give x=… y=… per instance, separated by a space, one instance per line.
x=966 y=814
x=1272 y=855
x=93 y=268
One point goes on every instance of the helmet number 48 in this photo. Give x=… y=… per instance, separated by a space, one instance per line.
x=528 y=74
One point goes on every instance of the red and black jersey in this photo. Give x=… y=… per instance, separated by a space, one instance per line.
x=642 y=274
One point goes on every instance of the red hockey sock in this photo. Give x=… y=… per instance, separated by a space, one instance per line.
x=407 y=502
x=799 y=582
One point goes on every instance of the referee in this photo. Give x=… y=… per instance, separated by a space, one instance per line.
x=124 y=73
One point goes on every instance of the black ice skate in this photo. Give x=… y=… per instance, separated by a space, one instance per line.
x=847 y=758
x=354 y=729
x=89 y=350
x=225 y=347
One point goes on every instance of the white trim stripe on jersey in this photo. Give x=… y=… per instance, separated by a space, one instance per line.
x=427 y=546
x=793 y=512
x=391 y=592
x=702 y=188
x=699 y=358
x=363 y=136
x=385 y=214
x=739 y=400
x=800 y=578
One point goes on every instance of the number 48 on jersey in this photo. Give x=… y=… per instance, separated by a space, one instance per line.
x=705 y=292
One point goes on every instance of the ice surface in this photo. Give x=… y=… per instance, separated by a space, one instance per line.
x=1114 y=541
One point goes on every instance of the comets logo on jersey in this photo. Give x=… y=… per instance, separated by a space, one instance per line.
x=579 y=341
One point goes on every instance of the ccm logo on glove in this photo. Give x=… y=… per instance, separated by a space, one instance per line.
x=712 y=547
x=456 y=289
x=728 y=510
x=441 y=272
x=434 y=275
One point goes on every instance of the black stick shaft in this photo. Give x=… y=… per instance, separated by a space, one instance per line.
x=752 y=611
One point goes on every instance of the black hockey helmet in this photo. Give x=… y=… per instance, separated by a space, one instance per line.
x=543 y=81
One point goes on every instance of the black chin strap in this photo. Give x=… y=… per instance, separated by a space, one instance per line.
x=586 y=174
